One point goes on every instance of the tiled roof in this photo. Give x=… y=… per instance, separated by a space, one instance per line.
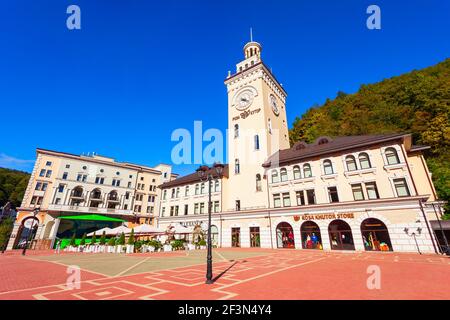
x=303 y=150
x=192 y=178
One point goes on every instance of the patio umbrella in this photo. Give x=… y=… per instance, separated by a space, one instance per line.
x=118 y=230
x=180 y=229
x=99 y=232
x=146 y=228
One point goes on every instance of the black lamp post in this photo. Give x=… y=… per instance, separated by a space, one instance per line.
x=206 y=174
x=35 y=213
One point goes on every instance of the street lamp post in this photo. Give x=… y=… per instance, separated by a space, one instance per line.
x=35 y=213
x=206 y=174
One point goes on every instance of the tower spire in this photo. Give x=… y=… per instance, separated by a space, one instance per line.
x=251 y=34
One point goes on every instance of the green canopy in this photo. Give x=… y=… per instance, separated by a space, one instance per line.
x=92 y=217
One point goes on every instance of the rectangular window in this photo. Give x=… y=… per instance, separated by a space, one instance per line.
x=372 y=190
x=127 y=195
x=300 y=195
x=67 y=166
x=42 y=173
x=401 y=187
x=44 y=186
x=186 y=191
x=48 y=163
x=177 y=195
x=276 y=200
x=173 y=194
x=256 y=142
x=311 y=196
x=216 y=185
x=172 y=209
x=61 y=188
x=57 y=200
x=129 y=184
x=84 y=178
x=333 y=194
x=163 y=211
x=196 y=208
x=202 y=208
x=64 y=176
x=38 y=186
x=176 y=210
x=254 y=237
x=238 y=205
x=48 y=174
x=202 y=188
x=186 y=209
x=357 y=192
x=286 y=199
x=216 y=206
x=197 y=188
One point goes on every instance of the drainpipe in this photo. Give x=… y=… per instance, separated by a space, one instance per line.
x=428 y=227
x=268 y=211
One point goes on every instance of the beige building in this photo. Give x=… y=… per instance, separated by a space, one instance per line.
x=98 y=190
x=346 y=193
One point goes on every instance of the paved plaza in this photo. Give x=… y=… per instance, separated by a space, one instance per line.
x=238 y=273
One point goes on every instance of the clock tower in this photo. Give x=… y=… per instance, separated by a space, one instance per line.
x=257 y=128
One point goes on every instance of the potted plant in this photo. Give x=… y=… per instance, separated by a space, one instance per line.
x=120 y=243
x=103 y=242
x=130 y=243
x=177 y=244
x=111 y=245
x=154 y=245
x=202 y=244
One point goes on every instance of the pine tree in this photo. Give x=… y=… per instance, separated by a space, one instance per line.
x=112 y=241
x=72 y=240
x=131 y=238
x=121 y=240
x=94 y=239
x=103 y=239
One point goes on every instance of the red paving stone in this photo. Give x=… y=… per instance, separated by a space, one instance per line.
x=278 y=274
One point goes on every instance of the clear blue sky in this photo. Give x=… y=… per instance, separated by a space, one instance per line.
x=137 y=70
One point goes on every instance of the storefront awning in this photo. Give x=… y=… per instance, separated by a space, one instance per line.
x=92 y=217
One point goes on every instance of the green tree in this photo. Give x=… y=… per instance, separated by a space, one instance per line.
x=112 y=241
x=13 y=184
x=93 y=239
x=103 y=239
x=6 y=227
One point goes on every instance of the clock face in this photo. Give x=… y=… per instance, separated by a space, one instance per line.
x=274 y=105
x=244 y=100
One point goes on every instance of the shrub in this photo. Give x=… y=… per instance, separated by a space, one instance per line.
x=121 y=240
x=103 y=239
x=177 y=244
x=112 y=242
x=202 y=242
x=83 y=240
x=155 y=243
x=94 y=239
x=131 y=238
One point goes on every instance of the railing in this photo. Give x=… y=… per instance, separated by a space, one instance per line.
x=85 y=209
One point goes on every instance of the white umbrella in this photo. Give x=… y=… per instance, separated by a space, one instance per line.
x=118 y=230
x=146 y=228
x=99 y=232
x=178 y=228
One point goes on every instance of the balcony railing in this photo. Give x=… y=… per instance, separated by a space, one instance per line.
x=84 y=209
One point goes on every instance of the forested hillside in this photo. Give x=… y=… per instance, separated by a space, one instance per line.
x=417 y=102
x=12 y=186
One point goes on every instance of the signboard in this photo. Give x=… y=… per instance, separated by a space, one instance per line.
x=328 y=216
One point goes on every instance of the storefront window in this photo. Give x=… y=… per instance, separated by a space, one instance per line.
x=375 y=235
x=311 y=238
x=255 y=239
x=285 y=236
x=341 y=237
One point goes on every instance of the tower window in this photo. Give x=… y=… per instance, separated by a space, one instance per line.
x=237 y=168
x=236 y=130
x=258 y=183
x=256 y=142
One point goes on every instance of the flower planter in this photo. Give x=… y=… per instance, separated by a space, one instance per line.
x=130 y=248
x=167 y=247
x=151 y=249
x=202 y=247
x=119 y=248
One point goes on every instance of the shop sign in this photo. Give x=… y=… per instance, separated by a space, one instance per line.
x=328 y=216
x=296 y=218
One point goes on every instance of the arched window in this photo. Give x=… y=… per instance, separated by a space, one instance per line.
x=391 y=156
x=296 y=171
x=328 y=167
x=275 y=177
x=258 y=182
x=283 y=174
x=307 y=173
x=364 y=161
x=256 y=142
x=237 y=168
x=351 y=163
x=77 y=192
x=236 y=130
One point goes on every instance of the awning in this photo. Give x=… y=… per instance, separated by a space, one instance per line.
x=436 y=225
x=145 y=228
x=99 y=232
x=92 y=217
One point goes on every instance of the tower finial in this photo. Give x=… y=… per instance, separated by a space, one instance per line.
x=251 y=34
